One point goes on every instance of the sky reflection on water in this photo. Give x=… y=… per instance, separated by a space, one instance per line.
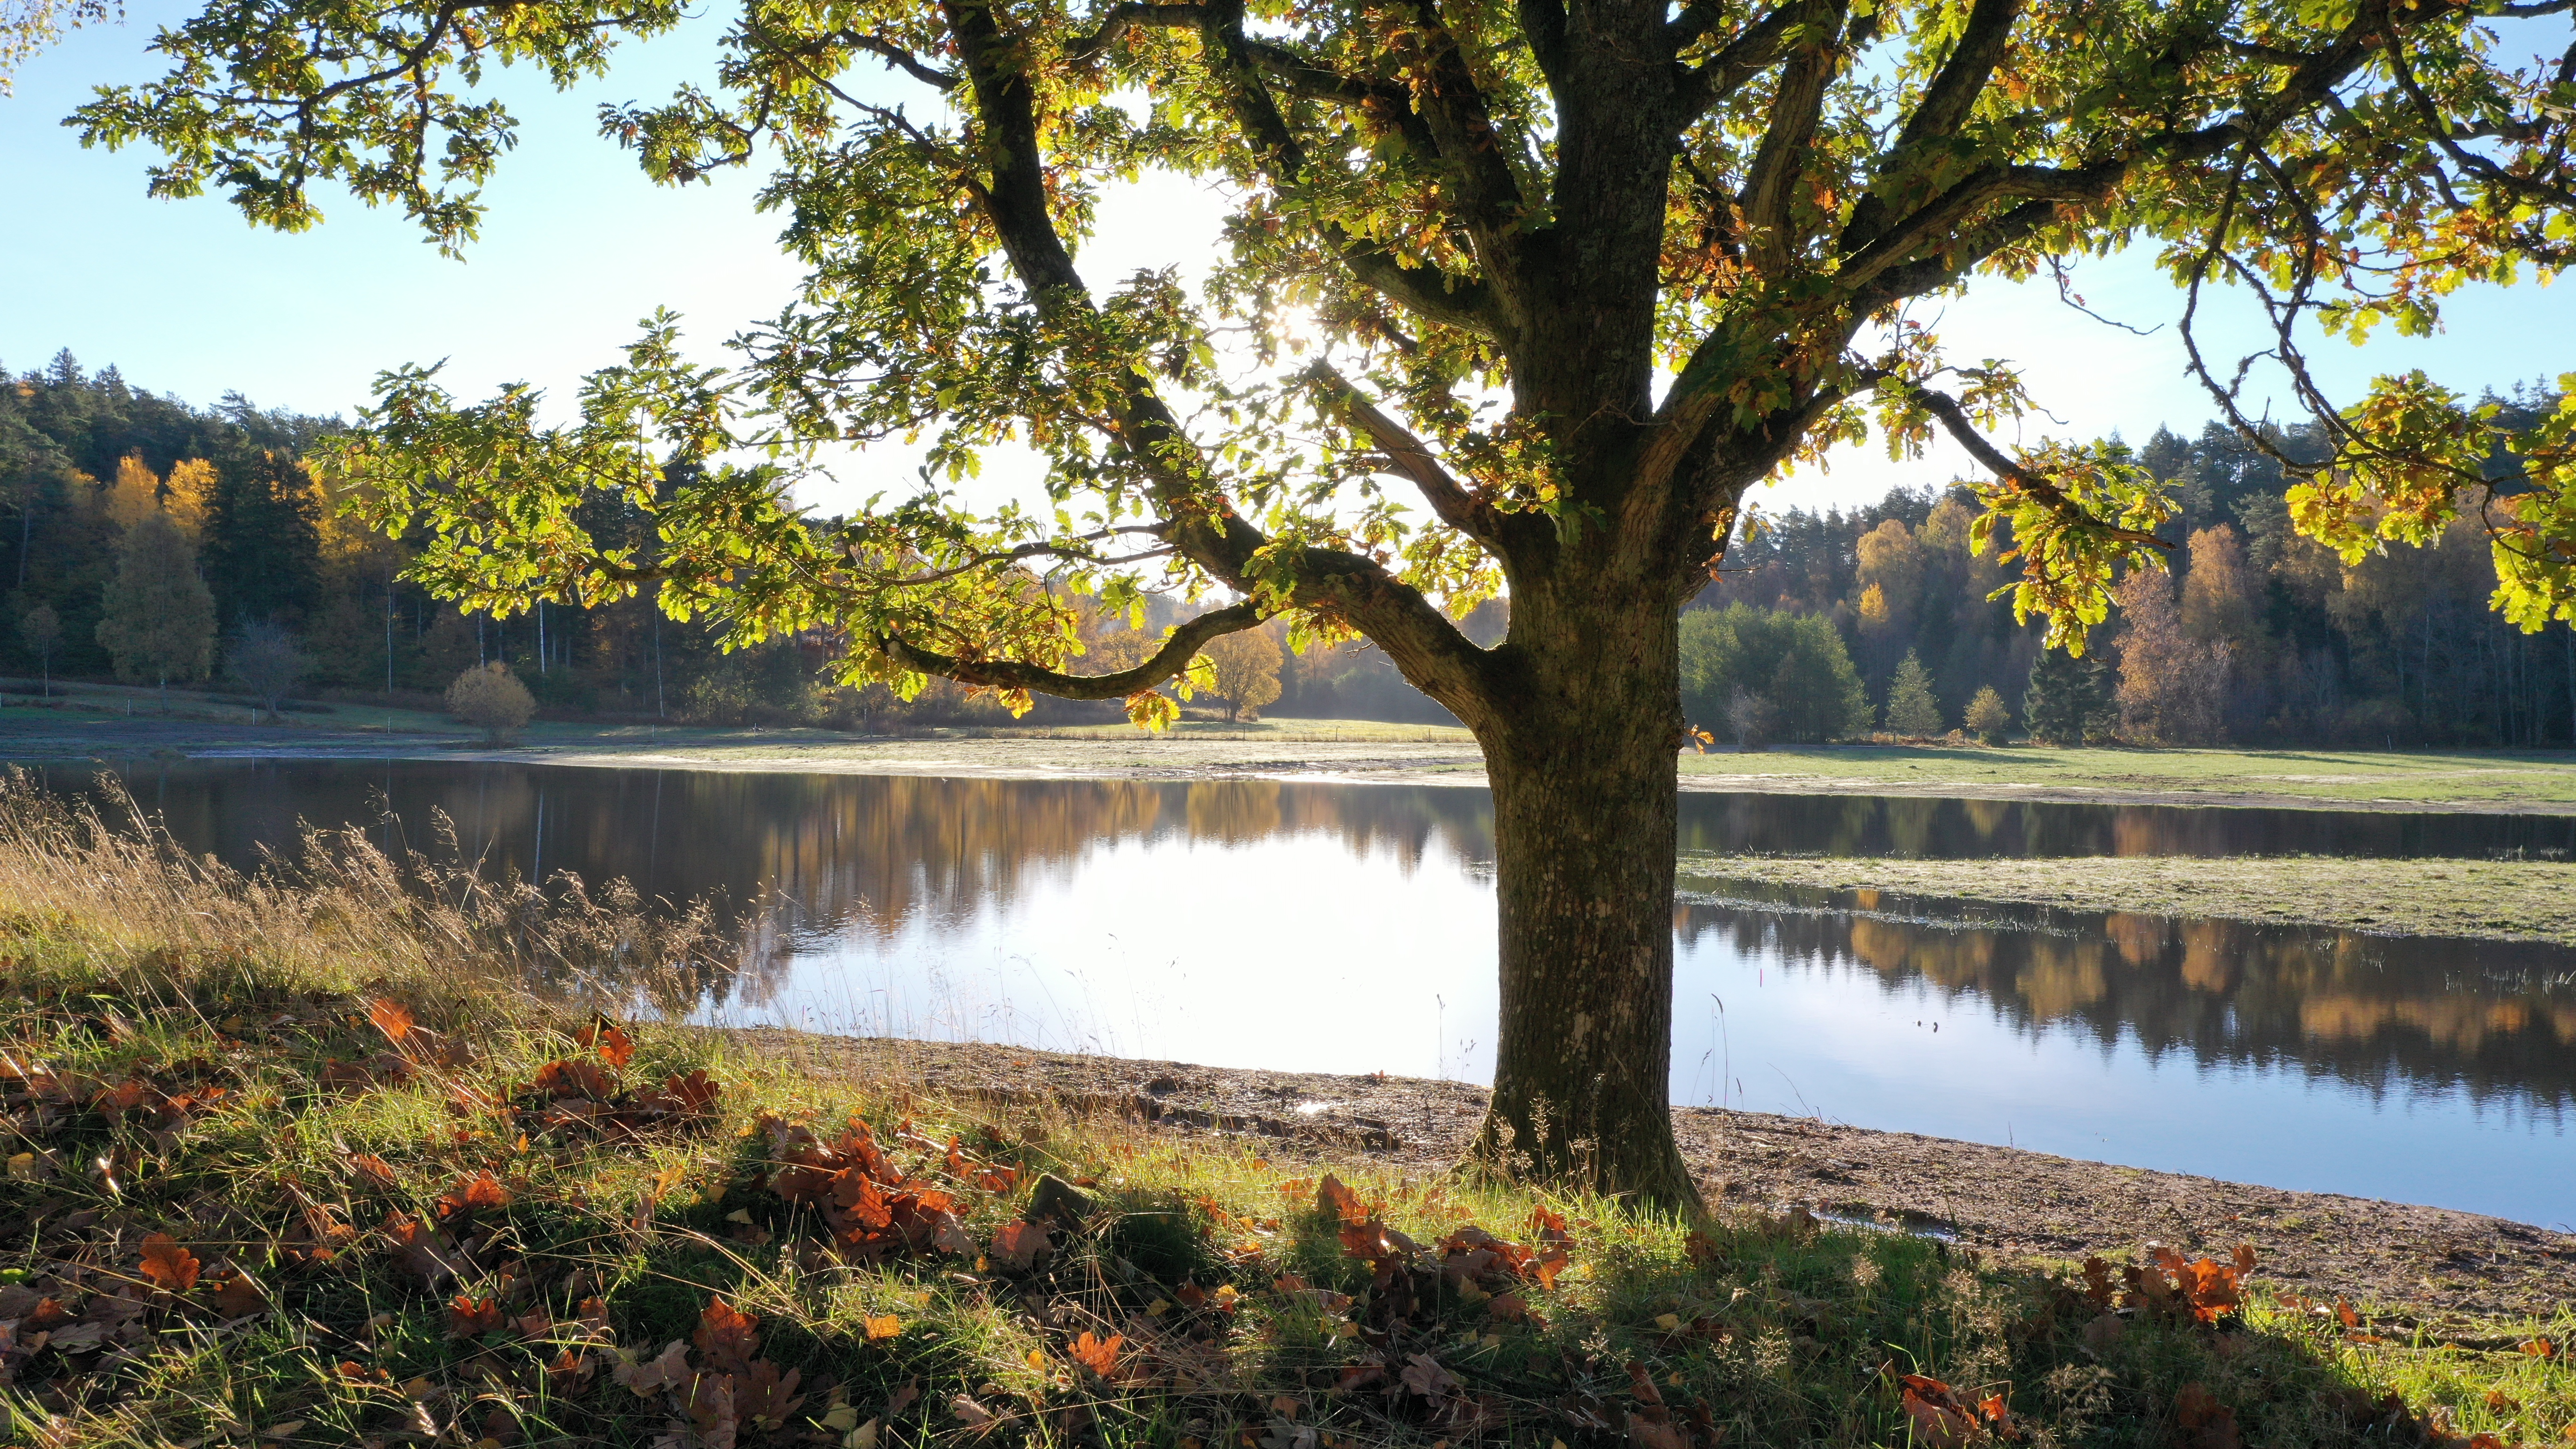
x=1348 y=928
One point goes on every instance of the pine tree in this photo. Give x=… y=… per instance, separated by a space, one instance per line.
x=159 y=620
x=1911 y=709
x=2069 y=699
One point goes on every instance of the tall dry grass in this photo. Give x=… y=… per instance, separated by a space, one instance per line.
x=332 y=912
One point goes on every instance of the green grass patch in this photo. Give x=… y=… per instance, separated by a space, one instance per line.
x=2508 y=900
x=2427 y=779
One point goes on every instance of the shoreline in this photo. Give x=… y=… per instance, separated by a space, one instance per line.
x=2011 y=1202
x=1286 y=758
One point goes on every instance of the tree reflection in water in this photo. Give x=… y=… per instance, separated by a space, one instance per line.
x=2495 y=1019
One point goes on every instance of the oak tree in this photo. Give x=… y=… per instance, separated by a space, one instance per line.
x=1243 y=670
x=1572 y=275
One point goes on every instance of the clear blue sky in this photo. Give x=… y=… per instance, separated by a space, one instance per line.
x=188 y=299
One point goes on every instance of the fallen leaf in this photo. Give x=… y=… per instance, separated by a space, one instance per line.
x=473 y=1317
x=392 y=1018
x=881 y=1329
x=171 y=1268
x=610 y=1040
x=239 y=1296
x=725 y=1336
x=1018 y=1245
x=1335 y=1200
x=472 y=1194
x=371 y=1169
x=1097 y=1354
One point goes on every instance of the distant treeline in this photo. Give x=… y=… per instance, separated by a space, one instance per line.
x=1823 y=624
x=2258 y=636
x=86 y=458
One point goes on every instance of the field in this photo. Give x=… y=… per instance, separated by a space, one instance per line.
x=305 y=1162
x=2486 y=780
x=95 y=722
x=2474 y=899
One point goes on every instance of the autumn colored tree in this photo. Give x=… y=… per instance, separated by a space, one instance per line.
x=1988 y=717
x=159 y=619
x=1576 y=272
x=1243 y=670
x=2173 y=687
x=491 y=698
x=1911 y=709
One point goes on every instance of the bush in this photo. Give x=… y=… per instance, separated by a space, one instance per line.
x=492 y=700
x=1988 y=716
x=1794 y=662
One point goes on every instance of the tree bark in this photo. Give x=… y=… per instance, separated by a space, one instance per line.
x=1581 y=761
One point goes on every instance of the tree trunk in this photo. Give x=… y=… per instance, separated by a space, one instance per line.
x=1582 y=763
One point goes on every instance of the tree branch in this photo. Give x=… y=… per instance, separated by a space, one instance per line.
x=1954 y=421
x=1455 y=503
x=1795 y=112
x=1179 y=648
x=1744 y=57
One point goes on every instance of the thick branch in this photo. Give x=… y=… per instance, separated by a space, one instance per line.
x=1456 y=505
x=1179 y=648
x=1746 y=56
x=1770 y=184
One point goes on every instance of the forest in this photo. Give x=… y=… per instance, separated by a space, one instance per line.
x=1822 y=624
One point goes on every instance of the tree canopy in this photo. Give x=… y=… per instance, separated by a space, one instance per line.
x=1570 y=274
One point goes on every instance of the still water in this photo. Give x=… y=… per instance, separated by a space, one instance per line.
x=1348 y=928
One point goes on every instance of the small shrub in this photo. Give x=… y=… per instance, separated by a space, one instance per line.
x=492 y=700
x=1988 y=716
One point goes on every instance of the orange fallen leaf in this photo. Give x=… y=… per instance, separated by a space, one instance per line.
x=610 y=1040
x=473 y=1194
x=170 y=1267
x=473 y=1317
x=881 y=1329
x=392 y=1018
x=1096 y=1354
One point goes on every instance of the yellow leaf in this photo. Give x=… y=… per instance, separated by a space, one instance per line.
x=1037 y=1358
x=1668 y=1322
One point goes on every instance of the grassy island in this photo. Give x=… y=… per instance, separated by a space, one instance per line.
x=2496 y=900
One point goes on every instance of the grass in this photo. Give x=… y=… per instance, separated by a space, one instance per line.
x=2502 y=900
x=302 y=1081
x=2422 y=779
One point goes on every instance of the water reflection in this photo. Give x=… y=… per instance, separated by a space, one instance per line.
x=2496 y=1020
x=1959 y=829
x=1349 y=928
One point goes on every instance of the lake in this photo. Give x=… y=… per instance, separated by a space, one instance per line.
x=1349 y=928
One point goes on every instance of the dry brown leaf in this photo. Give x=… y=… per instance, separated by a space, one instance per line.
x=171 y=1268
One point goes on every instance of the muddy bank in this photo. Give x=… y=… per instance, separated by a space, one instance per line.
x=2021 y=1205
